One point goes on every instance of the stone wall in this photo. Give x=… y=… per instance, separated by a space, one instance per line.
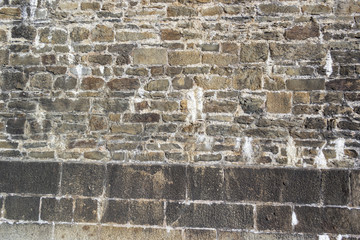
x=180 y=119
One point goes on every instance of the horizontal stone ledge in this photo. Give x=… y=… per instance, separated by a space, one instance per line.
x=338 y=187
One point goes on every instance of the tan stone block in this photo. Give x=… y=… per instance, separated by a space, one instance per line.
x=278 y=102
x=150 y=56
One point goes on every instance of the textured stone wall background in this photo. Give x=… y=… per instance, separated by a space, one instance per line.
x=189 y=119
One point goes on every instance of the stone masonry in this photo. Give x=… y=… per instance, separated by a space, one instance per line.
x=180 y=119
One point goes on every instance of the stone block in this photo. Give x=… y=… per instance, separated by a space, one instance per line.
x=29 y=177
x=82 y=179
x=151 y=182
x=22 y=208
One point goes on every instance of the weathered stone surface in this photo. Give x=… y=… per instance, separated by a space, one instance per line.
x=92 y=83
x=355 y=186
x=72 y=231
x=219 y=59
x=150 y=56
x=4 y=57
x=248 y=78
x=65 y=83
x=32 y=177
x=79 y=34
x=275 y=8
x=303 y=32
x=118 y=84
x=184 y=57
x=41 y=81
x=22 y=208
x=305 y=84
x=100 y=59
x=134 y=36
x=278 y=102
x=177 y=11
x=255 y=52
x=205 y=183
x=343 y=85
x=336 y=187
x=82 y=179
x=224 y=107
x=327 y=219
x=272 y=185
x=264 y=236
x=132 y=129
x=157 y=85
x=170 y=34
x=293 y=52
x=85 y=210
x=145 y=117
x=13 y=80
x=152 y=182
x=29 y=231
x=23 y=31
x=9 y=13
x=53 y=209
x=273 y=218
x=17 y=59
x=134 y=212
x=64 y=105
x=135 y=233
x=209 y=216
x=102 y=33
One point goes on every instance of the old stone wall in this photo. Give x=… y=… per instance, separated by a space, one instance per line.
x=180 y=119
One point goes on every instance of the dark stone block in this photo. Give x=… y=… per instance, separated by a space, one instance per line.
x=13 y=80
x=209 y=216
x=205 y=183
x=330 y=220
x=273 y=218
x=305 y=84
x=355 y=187
x=85 y=210
x=272 y=185
x=82 y=179
x=23 y=31
x=134 y=212
x=15 y=125
x=30 y=177
x=335 y=187
x=53 y=209
x=151 y=182
x=22 y=208
x=343 y=85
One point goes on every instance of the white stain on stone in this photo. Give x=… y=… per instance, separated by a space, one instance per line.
x=339 y=148
x=324 y=237
x=237 y=144
x=195 y=104
x=247 y=149
x=33 y=6
x=328 y=64
x=291 y=151
x=206 y=140
x=339 y=237
x=320 y=160
x=294 y=220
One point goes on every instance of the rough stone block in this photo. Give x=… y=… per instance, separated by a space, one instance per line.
x=335 y=187
x=119 y=84
x=151 y=182
x=184 y=57
x=53 y=209
x=22 y=208
x=30 y=177
x=276 y=218
x=134 y=212
x=209 y=216
x=82 y=179
x=145 y=117
x=305 y=84
x=327 y=219
x=135 y=233
x=219 y=59
x=278 y=102
x=205 y=183
x=85 y=210
x=272 y=185
x=254 y=52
